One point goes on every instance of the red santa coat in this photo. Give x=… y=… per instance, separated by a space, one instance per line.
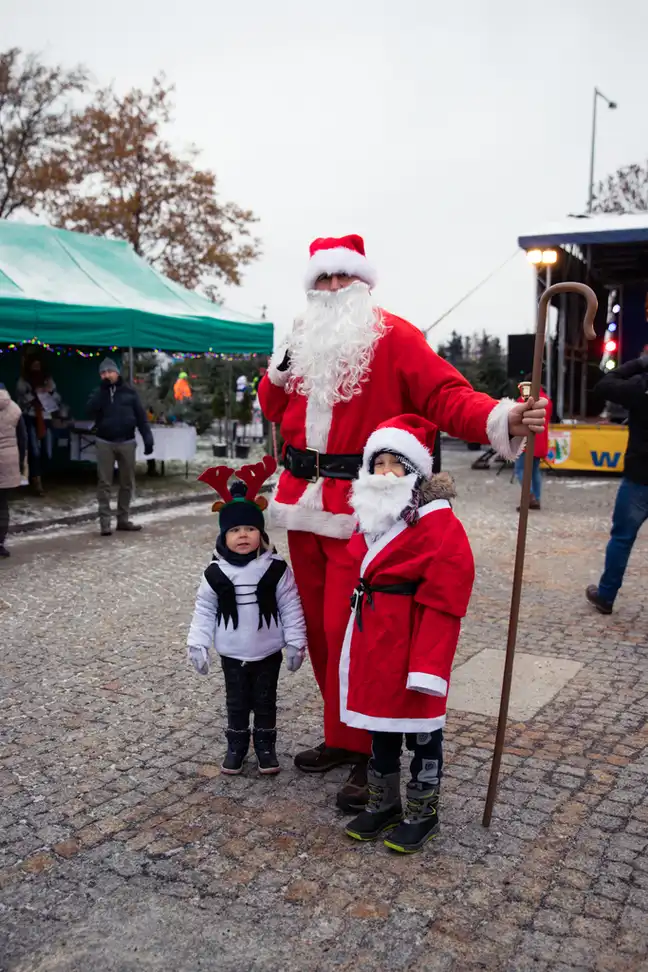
x=395 y=672
x=406 y=376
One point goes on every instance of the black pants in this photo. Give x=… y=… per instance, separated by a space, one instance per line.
x=4 y=515
x=426 y=766
x=251 y=687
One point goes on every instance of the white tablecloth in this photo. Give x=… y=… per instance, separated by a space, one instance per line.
x=170 y=442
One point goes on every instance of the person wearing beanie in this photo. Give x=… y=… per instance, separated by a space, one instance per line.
x=415 y=572
x=347 y=366
x=117 y=411
x=248 y=610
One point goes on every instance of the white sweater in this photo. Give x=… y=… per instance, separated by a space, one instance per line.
x=248 y=642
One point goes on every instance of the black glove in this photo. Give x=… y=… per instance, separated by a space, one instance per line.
x=285 y=364
x=148 y=450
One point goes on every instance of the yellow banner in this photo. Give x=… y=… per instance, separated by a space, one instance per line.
x=587 y=448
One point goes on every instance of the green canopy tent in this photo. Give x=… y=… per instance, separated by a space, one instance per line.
x=81 y=297
x=71 y=289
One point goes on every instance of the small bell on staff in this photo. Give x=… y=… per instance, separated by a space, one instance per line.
x=525 y=389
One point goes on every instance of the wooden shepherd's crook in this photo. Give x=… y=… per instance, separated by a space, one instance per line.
x=590 y=334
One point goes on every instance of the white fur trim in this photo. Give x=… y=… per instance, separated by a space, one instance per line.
x=428 y=684
x=311 y=498
x=338 y=526
x=497 y=430
x=318 y=424
x=398 y=440
x=398 y=528
x=278 y=378
x=357 y=720
x=339 y=259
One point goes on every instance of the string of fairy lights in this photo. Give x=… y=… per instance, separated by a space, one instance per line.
x=70 y=351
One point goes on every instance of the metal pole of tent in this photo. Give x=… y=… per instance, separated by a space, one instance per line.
x=228 y=407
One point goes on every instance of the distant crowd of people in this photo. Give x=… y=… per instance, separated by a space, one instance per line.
x=116 y=412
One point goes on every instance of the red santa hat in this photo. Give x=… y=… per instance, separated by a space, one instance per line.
x=344 y=254
x=410 y=436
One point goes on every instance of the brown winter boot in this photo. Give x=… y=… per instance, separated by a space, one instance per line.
x=353 y=796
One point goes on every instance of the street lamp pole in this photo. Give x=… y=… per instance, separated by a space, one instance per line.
x=612 y=105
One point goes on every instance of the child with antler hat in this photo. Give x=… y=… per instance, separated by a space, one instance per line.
x=248 y=609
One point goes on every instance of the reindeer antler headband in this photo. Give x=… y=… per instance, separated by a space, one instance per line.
x=253 y=476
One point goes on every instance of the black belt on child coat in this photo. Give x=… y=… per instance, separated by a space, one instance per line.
x=310 y=464
x=367 y=590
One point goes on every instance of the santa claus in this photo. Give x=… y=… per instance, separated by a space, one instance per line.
x=347 y=366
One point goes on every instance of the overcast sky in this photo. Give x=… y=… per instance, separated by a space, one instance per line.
x=439 y=132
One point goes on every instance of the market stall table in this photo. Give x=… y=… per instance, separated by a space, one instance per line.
x=170 y=442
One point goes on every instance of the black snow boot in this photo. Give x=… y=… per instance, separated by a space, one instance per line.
x=384 y=808
x=421 y=821
x=264 y=747
x=238 y=743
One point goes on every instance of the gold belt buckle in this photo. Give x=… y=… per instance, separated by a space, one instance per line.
x=317 y=464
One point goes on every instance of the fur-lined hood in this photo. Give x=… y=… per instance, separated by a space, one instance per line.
x=437 y=487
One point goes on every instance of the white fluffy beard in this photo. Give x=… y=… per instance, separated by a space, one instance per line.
x=332 y=344
x=378 y=501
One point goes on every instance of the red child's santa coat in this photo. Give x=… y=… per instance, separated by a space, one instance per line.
x=395 y=672
x=406 y=376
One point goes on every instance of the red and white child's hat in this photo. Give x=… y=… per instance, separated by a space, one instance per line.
x=344 y=254
x=409 y=436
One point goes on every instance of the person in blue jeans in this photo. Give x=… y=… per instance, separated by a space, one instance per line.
x=540 y=452
x=626 y=386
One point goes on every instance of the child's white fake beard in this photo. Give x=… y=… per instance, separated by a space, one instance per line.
x=378 y=501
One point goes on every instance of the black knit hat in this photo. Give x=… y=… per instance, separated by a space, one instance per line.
x=240 y=504
x=240 y=511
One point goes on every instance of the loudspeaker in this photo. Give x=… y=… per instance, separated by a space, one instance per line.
x=520 y=355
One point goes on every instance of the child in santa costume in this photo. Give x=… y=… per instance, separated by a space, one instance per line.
x=416 y=575
x=248 y=609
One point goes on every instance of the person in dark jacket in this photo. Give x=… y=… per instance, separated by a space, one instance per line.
x=626 y=386
x=117 y=411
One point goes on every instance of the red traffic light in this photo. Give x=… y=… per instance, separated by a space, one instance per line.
x=610 y=346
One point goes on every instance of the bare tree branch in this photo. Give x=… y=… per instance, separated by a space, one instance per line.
x=626 y=191
x=127 y=182
x=35 y=115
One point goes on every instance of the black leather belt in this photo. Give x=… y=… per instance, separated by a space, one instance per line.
x=367 y=590
x=310 y=464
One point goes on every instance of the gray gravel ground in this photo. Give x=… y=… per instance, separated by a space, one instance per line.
x=122 y=847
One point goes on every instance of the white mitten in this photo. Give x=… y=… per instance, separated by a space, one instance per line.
x=294 y=657
x=199 y=658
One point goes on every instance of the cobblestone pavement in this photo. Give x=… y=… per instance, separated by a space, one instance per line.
x=123 y=848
